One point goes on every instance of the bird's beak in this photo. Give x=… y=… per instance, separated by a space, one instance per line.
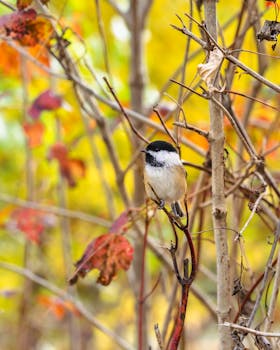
x=143 y=150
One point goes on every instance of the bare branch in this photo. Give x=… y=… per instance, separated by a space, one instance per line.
x=250 y=330
x=73 y=214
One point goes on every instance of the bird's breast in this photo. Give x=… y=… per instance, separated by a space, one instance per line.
x=169 y=183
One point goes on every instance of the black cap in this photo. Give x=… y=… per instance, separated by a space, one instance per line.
x=159 y=145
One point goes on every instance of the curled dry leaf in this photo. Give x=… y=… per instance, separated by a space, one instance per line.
x=208 y=70
x=46 y=101
x=107 y=253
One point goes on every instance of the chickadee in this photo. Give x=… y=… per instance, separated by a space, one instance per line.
x=164 y=175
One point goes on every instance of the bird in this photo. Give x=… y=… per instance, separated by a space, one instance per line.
x=165 y=176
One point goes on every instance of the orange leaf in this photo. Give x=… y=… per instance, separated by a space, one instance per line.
x=57 y=306
x=41 y=54
x=22 y=4
x=9 y=60
x=108 y=253
x=73 y=170
x=270 y=3
x=34 y=133
x=37 y=31
x=53 y=304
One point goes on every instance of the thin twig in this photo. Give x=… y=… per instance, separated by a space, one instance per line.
x=103 y=37
x=253 y=211
x=164 y=125
x=158 y=336
x=250 y=330
x=136 y=132
x=266 y=275
x=72 y=214
x=273 y=301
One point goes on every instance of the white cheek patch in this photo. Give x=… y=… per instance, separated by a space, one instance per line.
x=166 y=157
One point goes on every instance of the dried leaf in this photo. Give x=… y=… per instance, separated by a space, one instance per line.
x=26 y=27
x=34 y=133
x=107 y=253
x=14 y=23
x=38 y=31
x=46 y=101
x=208 y=70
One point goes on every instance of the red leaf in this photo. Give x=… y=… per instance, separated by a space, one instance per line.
x=31 y=222
x=47 y=101
x=119 y=225
x=107 y=253
x=34 y=133
x=58 y=151
x=26 y=27
x=15 y=22
x=71 y=169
